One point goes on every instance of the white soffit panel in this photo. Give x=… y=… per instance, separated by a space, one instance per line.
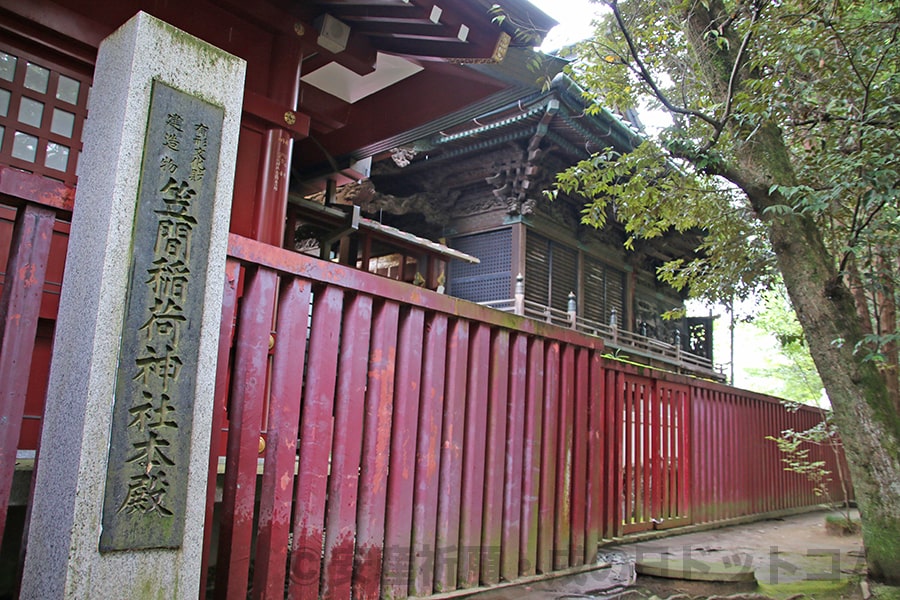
x=351 y=87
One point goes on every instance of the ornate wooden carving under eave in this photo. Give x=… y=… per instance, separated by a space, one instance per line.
x=434 y=206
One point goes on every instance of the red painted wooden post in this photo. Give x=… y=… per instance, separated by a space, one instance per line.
x=579 y=493
x=700 y=481
x=531 y=463
x=686 y=466
x=666 y=402
x=515 y=442
x=340 y=523
x=245 y=419
x=428 y=456
x=472 y=505
x=647 y=389
x=446 y=546
x=629 y=451
x=276 y=492
x=223 y=368
x=20 y=304
x=401 y=478
x=613 y=425
x=315 y=443
x=717 y=451
x=562 y=533
x=550 y=432
x=373 y=471
x=596 y=457
x=498 y=407
x=657 y=488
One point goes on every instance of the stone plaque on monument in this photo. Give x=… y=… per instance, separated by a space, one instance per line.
x=147 y=475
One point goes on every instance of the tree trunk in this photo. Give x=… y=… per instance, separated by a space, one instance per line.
x=868 y=423
x=887 y=324
x=865 y=416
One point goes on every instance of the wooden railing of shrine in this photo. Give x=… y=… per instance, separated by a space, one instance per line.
x=385 y=440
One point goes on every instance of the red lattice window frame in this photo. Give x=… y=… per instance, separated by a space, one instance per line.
x=50 y=134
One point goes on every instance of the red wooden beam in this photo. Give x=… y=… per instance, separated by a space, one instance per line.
x=277 y=490
x=17 y=186
x=447 y=538
x=531 y=458
x=472 y=505
x=340 y=525
x=20 y=304
x=315 y=444
x=549 y=454
x=428 y=456
x=515 y=442
x=492 y=520
x=245 y=412
x=579 y=493
x=373 y=473
x=596 y=457
x=220 y=402
x=397 y=565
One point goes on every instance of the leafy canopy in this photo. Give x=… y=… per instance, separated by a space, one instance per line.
x=826 y=71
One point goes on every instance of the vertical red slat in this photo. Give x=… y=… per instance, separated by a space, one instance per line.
x=621 y=392
x=657 y=489
x=698 y=462
x=629 y=451
x=245 y=419
x=665 y=399
x=770 y=453
x=472 y=507
x=647 y=388
x=315 y=443
x=515 y=441
x=428 y=457
x=401 y=477
x=220 y=401
x=373 y=470
x=446 y=546
x=20 y=304
x=531 y=464
x=340 y=523
x=498 y=407
x=579 y=494
x=277 y=489
x=613 y=471
x=668 y=442
x=714 y=447
x=596 y=457
x=550 y=419
x=686 y=440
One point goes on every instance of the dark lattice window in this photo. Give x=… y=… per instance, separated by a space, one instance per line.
x=491 y=279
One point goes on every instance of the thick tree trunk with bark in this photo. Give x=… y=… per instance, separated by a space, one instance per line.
x=863 y=410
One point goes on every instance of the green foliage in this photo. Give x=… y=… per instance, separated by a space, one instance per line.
x=826 y=72
x=795 y=446
x=792 y=372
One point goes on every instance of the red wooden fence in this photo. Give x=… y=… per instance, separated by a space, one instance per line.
x=426 y=444
x=380 y=440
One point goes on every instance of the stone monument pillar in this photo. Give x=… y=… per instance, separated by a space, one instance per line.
x=119 y=499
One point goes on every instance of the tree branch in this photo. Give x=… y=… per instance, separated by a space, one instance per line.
x=647 y=78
